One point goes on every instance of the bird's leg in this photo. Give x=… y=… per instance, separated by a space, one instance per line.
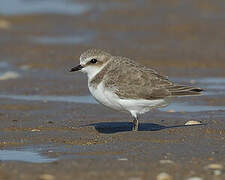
x=135 y=123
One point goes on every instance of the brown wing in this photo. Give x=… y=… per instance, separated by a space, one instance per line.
x=134 y=81
x=131 y=80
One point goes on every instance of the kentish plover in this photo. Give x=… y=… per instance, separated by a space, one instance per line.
x=122 y=84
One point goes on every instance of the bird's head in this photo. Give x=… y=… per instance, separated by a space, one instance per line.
x=92 y=61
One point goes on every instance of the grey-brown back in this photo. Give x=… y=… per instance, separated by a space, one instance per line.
x=130 y=80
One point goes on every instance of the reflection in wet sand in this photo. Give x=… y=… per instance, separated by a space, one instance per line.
x=26 y=156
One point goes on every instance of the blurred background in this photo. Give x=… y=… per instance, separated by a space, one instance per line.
x=51 y=34
x=178 y=38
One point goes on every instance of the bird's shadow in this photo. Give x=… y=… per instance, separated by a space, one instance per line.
x=115 y=127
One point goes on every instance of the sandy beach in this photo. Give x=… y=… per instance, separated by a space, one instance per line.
x=51 y=128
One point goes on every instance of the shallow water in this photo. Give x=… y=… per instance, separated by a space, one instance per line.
x=24 y=155
x=208 y=81
x=185 y=107
x=212 y=86
x=213 y=83
x=176 y=106
x=68 y=99
x=32 y=154
x=211 y=80
x=15 y=7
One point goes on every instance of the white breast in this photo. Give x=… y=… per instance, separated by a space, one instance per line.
x=136 y=106
x=105 y=96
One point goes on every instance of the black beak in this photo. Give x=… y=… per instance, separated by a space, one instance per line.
x=77 y=68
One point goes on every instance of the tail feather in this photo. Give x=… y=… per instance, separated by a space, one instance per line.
x=181 y=90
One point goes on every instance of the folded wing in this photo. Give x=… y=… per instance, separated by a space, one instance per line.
x=133 y=81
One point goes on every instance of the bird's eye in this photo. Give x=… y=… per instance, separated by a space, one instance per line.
x=93 y=61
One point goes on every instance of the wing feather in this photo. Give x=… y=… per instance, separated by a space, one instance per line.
x=130 y=80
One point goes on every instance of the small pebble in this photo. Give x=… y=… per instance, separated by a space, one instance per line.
x=166 y=161
x=217 y=172
x=164 y=176
x=214 y=166
x=44 y=101
x=171 y=110
x=4 y=24
x=9 y=75
x=192 y=123
x=47 y=177
x=35 y=130
x=25 y=67
x=194 y=178
x=122 y=159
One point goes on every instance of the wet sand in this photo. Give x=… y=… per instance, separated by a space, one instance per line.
x=51 y=128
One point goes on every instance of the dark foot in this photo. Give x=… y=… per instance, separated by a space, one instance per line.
x=135 y=125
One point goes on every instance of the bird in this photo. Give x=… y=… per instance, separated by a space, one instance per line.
x=123 y=84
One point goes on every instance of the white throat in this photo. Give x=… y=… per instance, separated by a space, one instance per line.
x=92 y=71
